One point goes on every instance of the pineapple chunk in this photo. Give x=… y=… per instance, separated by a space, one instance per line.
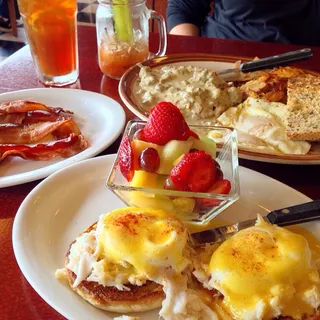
x=144 y=179
x=184 y=204
x=144 y=200
x=141 y=199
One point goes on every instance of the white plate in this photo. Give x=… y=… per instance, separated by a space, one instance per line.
x=128 y=85
x=100 y=119
x=66 y=203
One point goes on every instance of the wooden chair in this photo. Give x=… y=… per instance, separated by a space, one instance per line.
x=13 y=18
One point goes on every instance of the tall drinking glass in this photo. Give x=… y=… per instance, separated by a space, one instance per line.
x=52 y=35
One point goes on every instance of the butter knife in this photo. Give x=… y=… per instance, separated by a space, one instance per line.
x=301 y=213
x=270 y=62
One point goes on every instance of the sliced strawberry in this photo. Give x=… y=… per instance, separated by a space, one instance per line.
x=222 y=186
x=126 y=158
x=165 y=123
x=193 y=134
x=194 y=172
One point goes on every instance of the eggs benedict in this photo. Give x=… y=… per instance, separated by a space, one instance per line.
x=262 y=272
x=134 y=260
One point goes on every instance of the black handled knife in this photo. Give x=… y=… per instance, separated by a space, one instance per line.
x=270 y=62
x=301 y=213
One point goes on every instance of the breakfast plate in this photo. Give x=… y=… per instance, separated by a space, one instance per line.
x=128 y=88
x=100 y=119
x=52 y=216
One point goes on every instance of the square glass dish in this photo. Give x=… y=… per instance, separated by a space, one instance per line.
x=146 y=190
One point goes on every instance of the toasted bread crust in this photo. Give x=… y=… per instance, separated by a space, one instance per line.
x=303 y=122
x=139 y=299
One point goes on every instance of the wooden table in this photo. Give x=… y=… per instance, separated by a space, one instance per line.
x=17 y=299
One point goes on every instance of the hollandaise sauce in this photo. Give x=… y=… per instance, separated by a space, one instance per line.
x=266 y=271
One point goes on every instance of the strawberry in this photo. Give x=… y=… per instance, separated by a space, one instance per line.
x=166 y=123
x=221 y=186
x=193 y=134
x=195 y=172
x=126 y=158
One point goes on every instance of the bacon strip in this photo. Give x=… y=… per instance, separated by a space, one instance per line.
x=25 y=125
x=39 y=116
x=33 y=117
x=16 y=118
x=23 y=106
x=20 y=134
x=64 y=148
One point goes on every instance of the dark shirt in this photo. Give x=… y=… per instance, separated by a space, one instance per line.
x=4 y=9
x=284 y=21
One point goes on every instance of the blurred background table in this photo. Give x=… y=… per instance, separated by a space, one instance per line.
x=17 y=299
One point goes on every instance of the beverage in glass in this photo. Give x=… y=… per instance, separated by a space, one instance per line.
x=123 y=34
x=51 y=31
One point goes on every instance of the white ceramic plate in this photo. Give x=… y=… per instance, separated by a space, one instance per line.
x=128 y=84
x=100 y=119
x=66 y=203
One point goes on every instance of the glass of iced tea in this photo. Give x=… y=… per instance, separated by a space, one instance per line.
x=123 y=35
x=52 y=35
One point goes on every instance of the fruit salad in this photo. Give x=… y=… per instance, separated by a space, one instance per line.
x=169 y=166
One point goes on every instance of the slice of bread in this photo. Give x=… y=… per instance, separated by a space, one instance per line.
x=303 y=122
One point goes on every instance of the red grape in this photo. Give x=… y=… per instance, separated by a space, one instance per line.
x=216 y=163
x=219 y=174
x=149 y=160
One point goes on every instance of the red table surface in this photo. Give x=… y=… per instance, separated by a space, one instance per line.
x=17 y=299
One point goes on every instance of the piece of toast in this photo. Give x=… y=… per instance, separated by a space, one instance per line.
x=303 y=122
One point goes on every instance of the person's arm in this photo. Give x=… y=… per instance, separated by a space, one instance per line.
x=185 y=17
x=185 y=29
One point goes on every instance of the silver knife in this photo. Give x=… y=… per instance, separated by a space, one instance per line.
x=301 y=213
x=270 y=62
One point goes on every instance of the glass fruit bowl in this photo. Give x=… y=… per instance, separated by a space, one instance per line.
x=146 y=189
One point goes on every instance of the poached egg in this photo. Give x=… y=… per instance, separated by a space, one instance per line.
x=263 y=272
x=135 y=245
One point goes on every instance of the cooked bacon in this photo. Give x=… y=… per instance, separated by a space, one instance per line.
x=23 y=106
x=16 y=118
x=39 y=116
x=25 y=125
x=68 y=127
x=64 y=148
x=20 y=134
x=33 y=117
x=268 y=85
